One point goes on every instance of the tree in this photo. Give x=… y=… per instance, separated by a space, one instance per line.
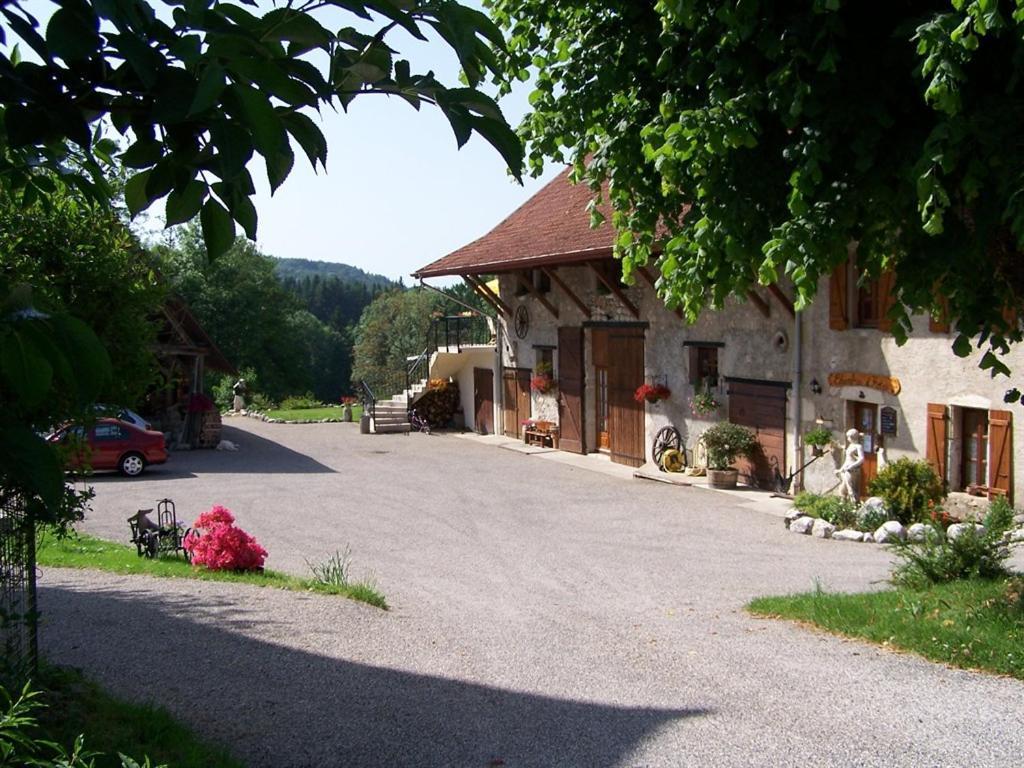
x=78 y=254
x=197 y=96
x=751 y=142
x=393 y=328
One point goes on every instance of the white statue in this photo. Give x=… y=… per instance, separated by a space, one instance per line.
x=854 y=458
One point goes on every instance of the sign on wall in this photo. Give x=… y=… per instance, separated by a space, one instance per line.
x=887 y=420
x=868 y=380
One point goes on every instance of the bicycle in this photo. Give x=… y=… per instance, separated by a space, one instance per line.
x=418 y=423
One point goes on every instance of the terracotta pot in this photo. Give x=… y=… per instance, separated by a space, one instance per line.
x=723 y=478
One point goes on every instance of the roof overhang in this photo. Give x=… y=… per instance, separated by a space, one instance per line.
x=486 y=266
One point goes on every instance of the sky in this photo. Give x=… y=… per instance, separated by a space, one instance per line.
x=398 y=193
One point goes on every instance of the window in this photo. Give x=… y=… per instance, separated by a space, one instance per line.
x=704 y=365
x=856 y=305
x=107 y=432
x=974 y=470
x=545 y=357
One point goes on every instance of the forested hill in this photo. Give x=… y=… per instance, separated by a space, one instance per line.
x=299 y=269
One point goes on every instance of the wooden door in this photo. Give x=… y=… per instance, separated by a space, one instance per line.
x=865 y=421
x=516 y=400
x=625 y=414
x=570 y=390
x=761 y=408
x=483 y=400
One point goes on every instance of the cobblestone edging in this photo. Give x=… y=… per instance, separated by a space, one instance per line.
x=263 y=417
x=890 y=531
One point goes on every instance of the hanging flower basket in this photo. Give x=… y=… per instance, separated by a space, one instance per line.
x=652 y=393
x=543 y=380
x=703 y=404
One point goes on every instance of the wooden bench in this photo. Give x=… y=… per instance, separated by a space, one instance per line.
x=541 y=433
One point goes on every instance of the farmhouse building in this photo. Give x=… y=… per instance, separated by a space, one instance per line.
x=562 y=307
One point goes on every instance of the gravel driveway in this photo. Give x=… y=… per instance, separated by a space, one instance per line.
x=542 y=615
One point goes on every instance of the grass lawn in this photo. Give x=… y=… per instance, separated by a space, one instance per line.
x=314 y=414
x=75 y=705
x=84 y=551
x=967 y=624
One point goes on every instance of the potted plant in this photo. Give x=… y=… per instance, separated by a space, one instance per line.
x=542 y=381
x=347 y=402
x=725 y=442
x=819 y=439
x=651 y=393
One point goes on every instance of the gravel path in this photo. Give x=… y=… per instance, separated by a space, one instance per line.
x=543 y=615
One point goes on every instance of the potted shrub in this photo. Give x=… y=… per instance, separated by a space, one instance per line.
x=725 y=442
x=819 y=439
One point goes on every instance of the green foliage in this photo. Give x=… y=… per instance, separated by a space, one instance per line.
x=392 y=328
x=911 y=489
x=82 y=258
x=999 y=517
x=819 y=437
x=834 y=509
x=196 y=94
x=939 y=559
x=84 y=551
x=335 y=572
x=726 y=442
x=968 y=624
x=300 y=402
x=22 y=745
x=871 y=518
x=785 y=132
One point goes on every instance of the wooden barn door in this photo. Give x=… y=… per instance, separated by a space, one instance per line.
x=762 y=409
x=625 y=415
x=515 y=384
x=570 y=390
x=483 y=400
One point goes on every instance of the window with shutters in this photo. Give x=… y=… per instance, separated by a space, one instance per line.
x=975 y=447
x=857 y=304
x=971 y=449
x=868 y=307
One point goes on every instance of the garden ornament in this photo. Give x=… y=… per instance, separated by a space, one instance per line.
x=854 y=458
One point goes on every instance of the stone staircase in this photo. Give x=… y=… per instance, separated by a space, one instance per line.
x=391 y=415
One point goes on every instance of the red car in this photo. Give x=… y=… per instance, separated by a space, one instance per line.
x=113 y=444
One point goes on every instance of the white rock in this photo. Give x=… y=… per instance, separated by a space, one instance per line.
x=227 y=445
x=848 y=534
x=802 y=525
x=822 y=529
x=957 y=530
x=869 y=538
x=792 y=515
x=890 y=531
x=917 y=532
x=1017 y=536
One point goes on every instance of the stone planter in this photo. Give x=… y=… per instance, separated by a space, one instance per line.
x=723 y=478
x=346 y=412
x=364 y=424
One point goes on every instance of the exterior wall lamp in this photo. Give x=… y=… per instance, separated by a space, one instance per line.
x=815 y=387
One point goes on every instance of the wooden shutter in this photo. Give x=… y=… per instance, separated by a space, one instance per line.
x=886 y=299
x=839 y=299
x=1000 y=454
x=935 y=440
x=694 y=365
x=570 y=390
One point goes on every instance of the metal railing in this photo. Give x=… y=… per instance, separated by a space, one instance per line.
x=368 y=399
x=459 y=331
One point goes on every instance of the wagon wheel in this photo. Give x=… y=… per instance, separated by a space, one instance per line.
x=667 y=438
x=181 y=545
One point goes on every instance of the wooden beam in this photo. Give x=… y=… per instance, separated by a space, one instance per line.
x=613 y=286
x=550 y=272
x=762 y=305
x=527 y=283
x=489 y=295
x=784 y=300
x=650 y=280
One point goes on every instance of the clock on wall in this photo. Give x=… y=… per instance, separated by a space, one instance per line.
x=522 y=321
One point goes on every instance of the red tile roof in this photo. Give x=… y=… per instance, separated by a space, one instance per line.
x=552 y=227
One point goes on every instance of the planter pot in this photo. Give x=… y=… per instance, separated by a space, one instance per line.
x=364 y=424
x=723 y=478
x=817 y=450
x=346 y=413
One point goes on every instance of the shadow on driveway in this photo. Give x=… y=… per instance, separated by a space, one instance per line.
x=277 y=706
x=255 y=455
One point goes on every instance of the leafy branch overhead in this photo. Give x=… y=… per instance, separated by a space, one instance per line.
x=745 y=143
x=197 y=96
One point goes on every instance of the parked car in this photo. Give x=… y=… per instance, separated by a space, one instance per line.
x=112 y=444
x=122 y=413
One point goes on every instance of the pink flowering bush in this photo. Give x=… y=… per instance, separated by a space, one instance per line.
x=216 y=542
